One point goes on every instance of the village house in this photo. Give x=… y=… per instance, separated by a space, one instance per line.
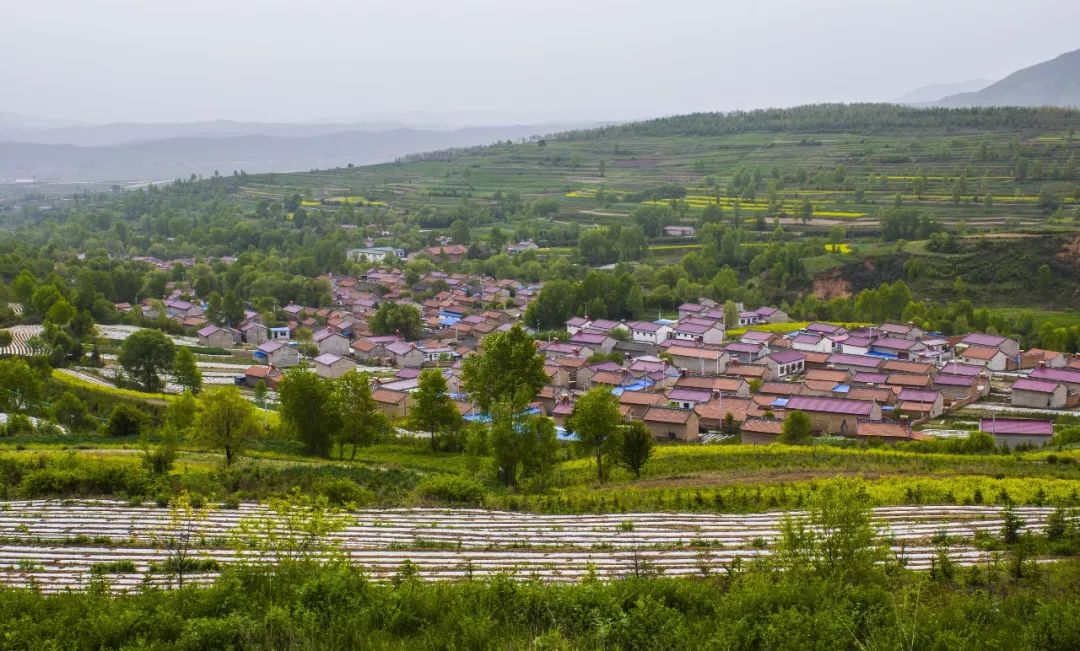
x=684 y=398
x=897 y=348
x=270 y=377
x=591 y=343
x=178 y=308
x=856 y=363
x=649 y=332
x=746 y=353
x=854 y=344
x=901 y=330
x=277 y=353
x=713 y=415
x=812 y=342
x=405 y=354
x=955 y=386
x=639 y=402
x=698 y=331
x=1010 y=347
x=992 y=358
x=761 y=431
x=330 y=366
x=672 y=424
x=375 y=254
x=365 y=350
x=395 y=404
x=1069 y=377
x=213 y=336
x=1013 y=432
x=760 y=338
x=920 y=403
x=329 y=341
x=687 y=310
x=698 y=360
x=785 y=363
x=1036 y=357
x=719 y=386
x=1041 y=394
x=679 y=231
x=254 y=333
x=835 y=415
x=890 y=433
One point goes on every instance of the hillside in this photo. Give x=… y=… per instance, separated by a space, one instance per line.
x=1050 y=83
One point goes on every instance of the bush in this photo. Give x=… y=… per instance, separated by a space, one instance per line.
x=125 y=420
x=114 y=567
x=345 y=492
x=452 y=489
x=18 y=424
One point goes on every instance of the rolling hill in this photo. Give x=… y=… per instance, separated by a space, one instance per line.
x=1050 y=83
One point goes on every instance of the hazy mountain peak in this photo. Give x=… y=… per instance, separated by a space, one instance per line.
x=934 y=92
x=1051 y=83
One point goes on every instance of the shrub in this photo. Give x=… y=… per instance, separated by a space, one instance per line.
x=124 y=420
x=114 y=567
x=452 y=489
x=345 y=492
x=18 y=424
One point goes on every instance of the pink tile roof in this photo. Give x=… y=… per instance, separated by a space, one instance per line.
x=1017 y=426
x=1037 y=386
x=831 y=405
x=1057 y=374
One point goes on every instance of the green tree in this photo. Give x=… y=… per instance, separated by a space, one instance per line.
x=806 y=211
x=595 y=420
x=145 y=354
x=185 y=371
x=181 y=413
x=226 y=421
x=70 y=411
x=553 y=306
x=433 y=410
x=232 y=308
x=796 y=428
x=636 y=447
x=260 y=391
x=731 y=314
x=308 y=410
x=60 y=313
x=398 y=318
x=508 y=367
x=361 y=420
x=1044 y=277
x=20 y=386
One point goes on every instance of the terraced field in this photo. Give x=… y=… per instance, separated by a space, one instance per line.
x=20 y=335
x=55 y=545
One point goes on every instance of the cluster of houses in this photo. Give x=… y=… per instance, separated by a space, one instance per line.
x=459 y=310
x=685 y=380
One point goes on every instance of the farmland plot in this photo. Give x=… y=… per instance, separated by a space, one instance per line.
x=20 y=336
x=55 y=545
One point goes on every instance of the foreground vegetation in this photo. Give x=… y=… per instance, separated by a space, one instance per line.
x=830 y=583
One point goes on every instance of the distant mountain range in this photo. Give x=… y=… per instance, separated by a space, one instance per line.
x=934 y=92
x=1050 y=83
x=131 y=151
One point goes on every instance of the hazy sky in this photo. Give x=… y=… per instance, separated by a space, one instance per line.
x=160 y=60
